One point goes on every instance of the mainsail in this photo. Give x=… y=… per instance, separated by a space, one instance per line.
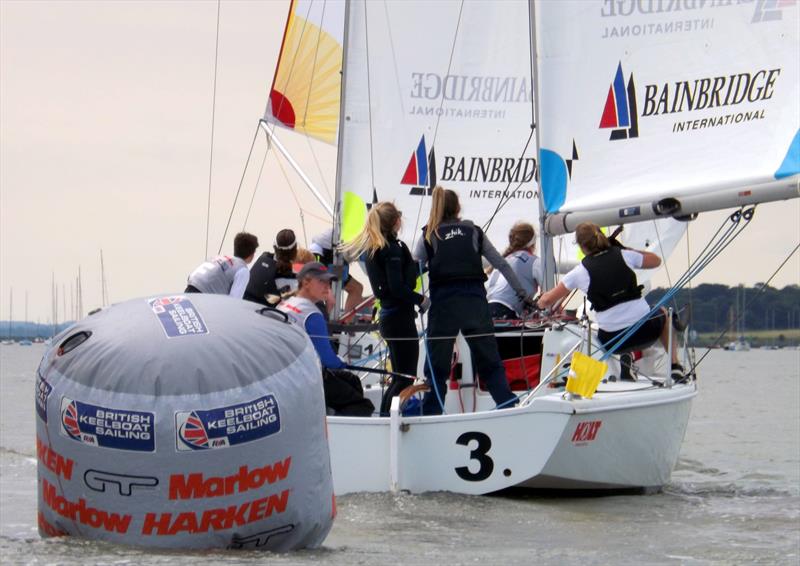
x=438 y=92
x=646 y=111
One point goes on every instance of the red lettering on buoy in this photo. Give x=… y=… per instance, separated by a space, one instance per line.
x=81 y=513
x=54 y=461
x=223 y=518
x=195 y=486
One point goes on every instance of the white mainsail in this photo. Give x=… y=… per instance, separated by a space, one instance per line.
x=438 y=92
x=651 y=108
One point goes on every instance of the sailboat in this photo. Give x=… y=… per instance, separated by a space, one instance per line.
x=563 y=111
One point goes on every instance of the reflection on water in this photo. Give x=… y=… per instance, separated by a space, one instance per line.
x=734 y=497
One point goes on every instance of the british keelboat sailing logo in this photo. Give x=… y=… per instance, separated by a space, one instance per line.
x=620 y=113
x=420 y=171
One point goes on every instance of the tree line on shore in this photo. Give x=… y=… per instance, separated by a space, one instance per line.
x=713 y=307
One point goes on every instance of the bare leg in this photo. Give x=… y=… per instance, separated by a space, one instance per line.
x=355 y=296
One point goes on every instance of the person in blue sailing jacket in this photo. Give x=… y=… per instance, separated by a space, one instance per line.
x=504 y=304
x=607 y=278
x=452 y=249
x=225 y=275
x=392 y=274
x=344 y=394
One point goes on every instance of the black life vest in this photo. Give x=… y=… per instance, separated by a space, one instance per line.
x=376 y=271
x=611 y=281
x=452 y=253
x=262 y=279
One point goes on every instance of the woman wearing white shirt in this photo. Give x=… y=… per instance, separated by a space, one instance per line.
x=606 y=277
x=504 y=304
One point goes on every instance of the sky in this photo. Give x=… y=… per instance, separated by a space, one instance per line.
x=105 y=140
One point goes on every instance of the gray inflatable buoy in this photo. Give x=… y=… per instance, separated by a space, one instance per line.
x=184 y=421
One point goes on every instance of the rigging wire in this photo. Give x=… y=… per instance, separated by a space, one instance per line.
x=308 y=98
x=213 y=117
x=369 y=106
x=438 y=118
x=750 y=303
x=296 y=200
x=505 y=199
x=714 y=248
x=239 y=189
x=255 y=187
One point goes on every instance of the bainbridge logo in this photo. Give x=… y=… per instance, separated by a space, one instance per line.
x=771 y=10
x=420 y=171
x=620 y=112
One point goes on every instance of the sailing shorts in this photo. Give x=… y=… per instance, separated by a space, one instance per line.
x=644 y=336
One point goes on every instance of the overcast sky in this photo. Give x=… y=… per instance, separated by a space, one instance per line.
x=105 y=128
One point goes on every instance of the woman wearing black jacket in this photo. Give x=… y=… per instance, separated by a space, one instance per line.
x=392 y=274
x=453 y=250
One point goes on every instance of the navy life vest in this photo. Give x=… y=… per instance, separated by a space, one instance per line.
x=452 y=255
x=376 y=271
x=262 y=279
x=611 y=281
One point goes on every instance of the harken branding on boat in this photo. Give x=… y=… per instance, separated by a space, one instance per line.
x=586 y=432
x=227 y=426
x=107 y=428
x=738 y=97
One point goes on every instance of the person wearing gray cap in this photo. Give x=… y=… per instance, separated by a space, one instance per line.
x=343 y=391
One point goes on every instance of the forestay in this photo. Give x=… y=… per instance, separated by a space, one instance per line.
x=438 y=92
x=642 y=101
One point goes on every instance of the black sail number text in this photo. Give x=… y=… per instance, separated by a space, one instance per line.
x=479 y=453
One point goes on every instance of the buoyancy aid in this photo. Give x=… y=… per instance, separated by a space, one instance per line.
x=262 y=279
x=216 y=275
x=454 y=253
x=611 y=281
x=376 y=270
x=298 y=309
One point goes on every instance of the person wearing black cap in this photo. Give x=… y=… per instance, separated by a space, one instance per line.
x=343 y=392
x=271 y=274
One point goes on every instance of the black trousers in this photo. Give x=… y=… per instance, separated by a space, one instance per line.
x=404 y=353
x=344 y=394
x=470 y=315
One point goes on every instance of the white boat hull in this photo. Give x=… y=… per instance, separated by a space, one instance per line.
x=627 y=436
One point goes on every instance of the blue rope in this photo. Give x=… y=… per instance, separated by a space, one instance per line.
x=714 y=248
x=425 y=334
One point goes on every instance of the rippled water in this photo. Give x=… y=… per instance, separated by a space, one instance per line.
x=733 y=499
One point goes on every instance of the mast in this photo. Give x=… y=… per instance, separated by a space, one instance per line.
x=10 y=310
x=546 y=250
x=337 y=205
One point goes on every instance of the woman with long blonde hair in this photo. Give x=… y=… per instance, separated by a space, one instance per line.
x=503 y=301
x=452 y=249
x=392 y=274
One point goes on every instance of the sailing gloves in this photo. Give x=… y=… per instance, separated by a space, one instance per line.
x=424 y=306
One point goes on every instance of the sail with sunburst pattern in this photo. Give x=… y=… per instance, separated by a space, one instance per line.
x=305 y=90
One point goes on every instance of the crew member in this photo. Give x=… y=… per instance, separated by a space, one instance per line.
x=343 y=392
x=392 y=274
x=322 y=248
x=504 y=303
x=271 y=274
x=606 y=277
x=225 y=275
x=452 y=249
